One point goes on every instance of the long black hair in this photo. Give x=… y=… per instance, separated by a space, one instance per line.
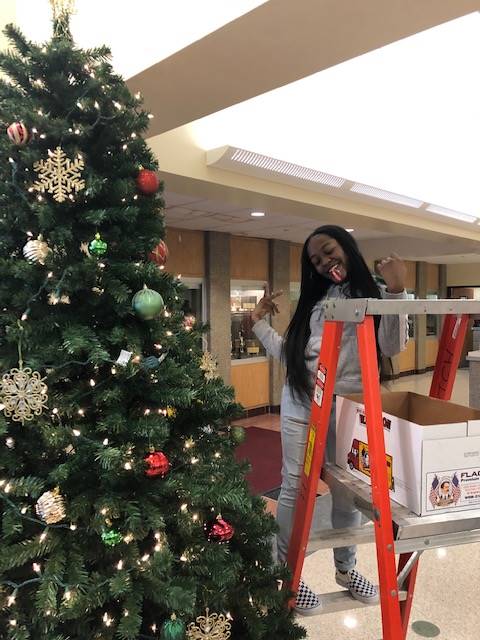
x=313 y=287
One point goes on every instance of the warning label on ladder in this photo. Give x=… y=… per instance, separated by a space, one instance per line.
x=320 y=385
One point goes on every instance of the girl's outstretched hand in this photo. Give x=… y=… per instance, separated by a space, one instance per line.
x=266 y=305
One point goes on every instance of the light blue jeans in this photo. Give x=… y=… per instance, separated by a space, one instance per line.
x=344 y=513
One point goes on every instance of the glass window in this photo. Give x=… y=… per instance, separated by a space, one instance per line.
x=194 y=304
x=243 y=299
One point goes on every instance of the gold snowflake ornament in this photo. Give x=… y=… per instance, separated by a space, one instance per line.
x=59 y=175
x=209 y=366
x=209 y=627
x=23 y=394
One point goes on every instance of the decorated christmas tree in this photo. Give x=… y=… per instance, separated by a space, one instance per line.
x=124 y=513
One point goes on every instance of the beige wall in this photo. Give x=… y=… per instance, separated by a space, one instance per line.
x=460 y=275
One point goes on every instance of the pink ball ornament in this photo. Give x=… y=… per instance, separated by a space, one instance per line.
x=18 y=133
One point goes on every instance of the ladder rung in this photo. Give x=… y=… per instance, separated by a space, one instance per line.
x=334 y=538
x=343 y=601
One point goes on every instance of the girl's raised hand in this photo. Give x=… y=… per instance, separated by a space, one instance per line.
x=266 y=305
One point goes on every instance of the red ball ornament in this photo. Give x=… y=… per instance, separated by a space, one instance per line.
x=157 y=464
x=219 y=530
x=18 y=133
x=189 y=321
x=147 y=182
x=160 y=254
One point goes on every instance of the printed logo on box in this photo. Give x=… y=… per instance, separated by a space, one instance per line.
x=387 y=423
x=457 y=487
x=358 y=458
x=444 y=491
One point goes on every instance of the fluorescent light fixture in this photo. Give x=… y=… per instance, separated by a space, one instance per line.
x=257 y=214
x=373 y=192
x=261 y=166
x=451 y=213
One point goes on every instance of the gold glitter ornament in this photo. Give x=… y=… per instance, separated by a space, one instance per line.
x=62 y=10
x=23 y=394
x=53 y=298
x=209 y=627
x=209 y=366
x=50 y=506
x=36 y=250
x=59 y=175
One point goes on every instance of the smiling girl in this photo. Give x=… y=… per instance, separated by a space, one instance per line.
x=332 y=267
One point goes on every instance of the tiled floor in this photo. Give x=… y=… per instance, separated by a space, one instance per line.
x=448 y=585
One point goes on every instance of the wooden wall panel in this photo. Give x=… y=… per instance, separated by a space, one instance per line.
x=406 y=359
x=433 y=281
x=251 y=384
x=295 y=256
x=186 y=252
x=431 y=350
x=411 y=281
x=248 y=258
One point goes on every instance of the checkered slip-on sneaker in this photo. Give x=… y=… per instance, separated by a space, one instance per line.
x=307 y=602
x=360 y=588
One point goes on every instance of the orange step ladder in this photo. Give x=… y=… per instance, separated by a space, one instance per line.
x=393 y=580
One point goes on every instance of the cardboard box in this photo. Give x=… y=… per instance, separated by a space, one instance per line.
x=432 y=447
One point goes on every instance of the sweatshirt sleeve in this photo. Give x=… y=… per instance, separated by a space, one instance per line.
x=270 y=339
x=393 y=330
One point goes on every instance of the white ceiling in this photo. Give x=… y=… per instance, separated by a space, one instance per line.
x=455 y=259
x=404 y=118
x=184 y=212
x=139 y=34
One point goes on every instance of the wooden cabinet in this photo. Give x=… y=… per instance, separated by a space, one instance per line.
x=251 y=383
x=406 y=359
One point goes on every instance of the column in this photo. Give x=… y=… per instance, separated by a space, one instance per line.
x=217 y=258
x=421 y=320
x=279 y=277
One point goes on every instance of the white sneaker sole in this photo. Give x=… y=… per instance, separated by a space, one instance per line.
x=310 y=611
x=364 y=599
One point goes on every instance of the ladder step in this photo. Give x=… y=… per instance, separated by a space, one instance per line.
x=335 y=538
x=343 y=601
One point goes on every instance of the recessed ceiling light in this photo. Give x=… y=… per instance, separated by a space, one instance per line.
x=257 y=214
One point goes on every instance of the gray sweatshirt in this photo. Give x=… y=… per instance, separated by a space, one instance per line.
x=392 y=338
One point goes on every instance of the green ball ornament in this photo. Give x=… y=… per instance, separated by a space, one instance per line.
x=97 y=246
x=147 y=303
x=173 y=629
x=238 y=434
x=111 y=538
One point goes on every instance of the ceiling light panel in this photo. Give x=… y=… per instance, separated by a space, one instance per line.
x=259 y=165
x=451 y=213
x=373 y=192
